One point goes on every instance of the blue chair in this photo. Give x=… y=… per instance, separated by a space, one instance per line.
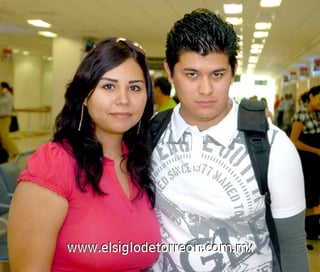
x=4 y=209
x=10 y=171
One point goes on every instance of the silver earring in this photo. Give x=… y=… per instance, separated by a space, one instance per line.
x=139 y=125
x=81 y=117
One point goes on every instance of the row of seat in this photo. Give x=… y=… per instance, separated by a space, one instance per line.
x=9 y=173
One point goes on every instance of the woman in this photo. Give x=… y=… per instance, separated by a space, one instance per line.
x=85 y=201
x=305 y=134
x=6 y=106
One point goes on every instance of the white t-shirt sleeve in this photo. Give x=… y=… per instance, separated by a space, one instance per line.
x=285 y=178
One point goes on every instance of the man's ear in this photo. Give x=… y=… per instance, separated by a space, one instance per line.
x=167 y=69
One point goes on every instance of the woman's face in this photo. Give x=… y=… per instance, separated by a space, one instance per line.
x=118 y=101
x=315 y=101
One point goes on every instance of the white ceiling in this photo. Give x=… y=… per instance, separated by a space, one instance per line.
x=293 y=39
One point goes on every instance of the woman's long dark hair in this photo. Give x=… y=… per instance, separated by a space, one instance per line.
x=86 y=150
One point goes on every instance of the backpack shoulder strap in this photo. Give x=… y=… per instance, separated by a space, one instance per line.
x=158 y=124
x=253 y=122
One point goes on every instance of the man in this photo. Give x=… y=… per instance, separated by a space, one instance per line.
x=211 y=212
x=162 y=91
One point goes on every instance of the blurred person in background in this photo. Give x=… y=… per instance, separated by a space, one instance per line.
x=305 y=134
x=162 y=91
x=6 y=108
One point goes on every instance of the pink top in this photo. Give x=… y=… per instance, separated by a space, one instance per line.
x=100 y=233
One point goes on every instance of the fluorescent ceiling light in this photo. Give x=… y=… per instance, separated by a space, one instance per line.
x=253 y=59
x=232 y=8
x=48 y=34
x=260 y=34
x=38 y=23
x=262 y=26
x=270 y=3
x=255 y=50
x=257 y=46
x=234 y=20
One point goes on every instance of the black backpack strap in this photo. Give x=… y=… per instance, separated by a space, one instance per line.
x=158 y=124
x=253 y=122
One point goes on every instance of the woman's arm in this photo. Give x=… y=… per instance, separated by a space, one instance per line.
x=35 y=218
x=294 y=136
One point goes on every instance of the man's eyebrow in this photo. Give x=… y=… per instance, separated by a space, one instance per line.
x=195 y=70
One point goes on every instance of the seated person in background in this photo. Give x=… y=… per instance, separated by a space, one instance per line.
x=90 y=186
x=162 y=90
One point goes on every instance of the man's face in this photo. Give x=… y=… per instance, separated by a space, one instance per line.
x=202 y=86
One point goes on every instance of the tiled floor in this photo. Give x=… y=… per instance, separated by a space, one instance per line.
x=314 y=256
x=32 y=142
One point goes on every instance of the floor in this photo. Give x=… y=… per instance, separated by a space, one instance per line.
x=29 y=142
x=314 y=256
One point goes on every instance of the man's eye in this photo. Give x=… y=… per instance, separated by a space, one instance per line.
x=217 y=75
x=192 y=74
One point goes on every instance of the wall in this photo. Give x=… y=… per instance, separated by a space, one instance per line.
x=39 y=82
x=6 y=69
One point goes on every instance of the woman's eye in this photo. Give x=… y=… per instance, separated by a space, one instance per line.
x=134 y=88
x=108 y=87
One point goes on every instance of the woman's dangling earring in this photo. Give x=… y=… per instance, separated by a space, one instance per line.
x=81 y=117
x=139 y=125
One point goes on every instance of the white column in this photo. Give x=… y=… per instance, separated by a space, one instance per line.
x=67 y=55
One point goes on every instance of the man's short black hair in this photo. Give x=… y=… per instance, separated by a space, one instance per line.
x=201 y=31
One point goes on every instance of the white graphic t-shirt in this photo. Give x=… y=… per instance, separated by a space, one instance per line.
x=211 y=213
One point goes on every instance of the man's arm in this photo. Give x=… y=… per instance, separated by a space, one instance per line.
x=292 y=242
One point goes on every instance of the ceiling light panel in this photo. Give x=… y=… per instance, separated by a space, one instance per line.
x=39 y=23
x=234 y=20
x=263 y=26
x=47 y=34
x=270 y=3
x=260 y=34
x=232 y=8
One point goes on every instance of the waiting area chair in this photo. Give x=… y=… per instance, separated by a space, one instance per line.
x=5 y=200
x=10 y=171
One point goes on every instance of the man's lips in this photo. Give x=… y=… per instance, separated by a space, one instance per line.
x=205 y=102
